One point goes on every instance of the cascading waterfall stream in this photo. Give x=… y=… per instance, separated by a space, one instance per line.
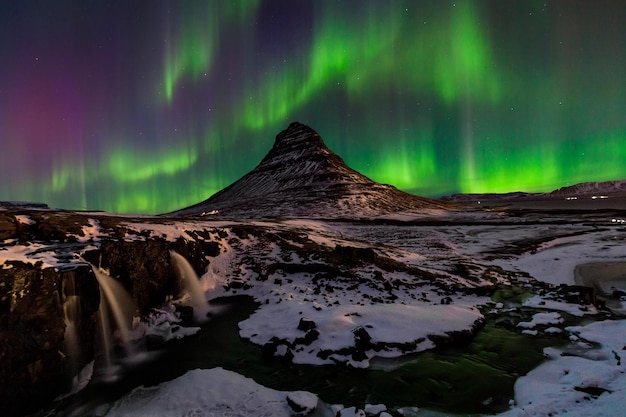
x=71 y=317
x=115 y=318
x=105 y=331
x=119 y=303
x=114 y=299
x=191 y=282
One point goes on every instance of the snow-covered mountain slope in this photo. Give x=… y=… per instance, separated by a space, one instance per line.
x=300 y=177
x=592 y=188
x=589 y=190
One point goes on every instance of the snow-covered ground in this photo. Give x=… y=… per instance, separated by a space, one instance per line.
x=590 y=383
x=213 y=392
x=586 y=378
x=375 y=309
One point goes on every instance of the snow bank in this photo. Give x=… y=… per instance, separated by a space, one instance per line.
x=541 y=319
x=554 y=262
x=593 y=383
x=210 y=392
x=24 y=219
x=31 y=253
x=573 y=309
x=386 y=324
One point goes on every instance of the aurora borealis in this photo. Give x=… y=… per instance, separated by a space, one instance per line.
x=149 y=106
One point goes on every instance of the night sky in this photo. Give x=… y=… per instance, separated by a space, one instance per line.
x=147 y=106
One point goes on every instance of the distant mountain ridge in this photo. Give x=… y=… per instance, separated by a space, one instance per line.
x=300 y=176
x=597 y=189
x=592 y=188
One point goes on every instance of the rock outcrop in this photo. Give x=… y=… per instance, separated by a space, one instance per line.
x=49 y=286
x=35 y=364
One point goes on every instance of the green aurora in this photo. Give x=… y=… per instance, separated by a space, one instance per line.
x=165 y=103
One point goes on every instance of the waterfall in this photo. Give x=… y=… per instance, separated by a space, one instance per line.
x=71 y=317
x=191 y=283
x=79 y=373
x=105 y=331
x=114 y=301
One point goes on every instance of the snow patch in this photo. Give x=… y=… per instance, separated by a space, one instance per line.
x=593 y=383
x=207 y=392
x=385 y=323
x=24 y=219
x=573 y=309
x=541 y=319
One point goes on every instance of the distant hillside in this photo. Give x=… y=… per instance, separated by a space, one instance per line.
x=592 y=188
x=584 y=190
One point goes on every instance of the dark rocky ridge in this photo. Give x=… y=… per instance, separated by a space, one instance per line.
x=592 y=188
x=299 y=177
x=583 y=190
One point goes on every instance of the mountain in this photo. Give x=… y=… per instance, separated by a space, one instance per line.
x=583 y=191
x=592 y=189
x=301 y=177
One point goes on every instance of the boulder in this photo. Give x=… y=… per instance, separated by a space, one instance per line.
x=301 y=402
x=306 y=324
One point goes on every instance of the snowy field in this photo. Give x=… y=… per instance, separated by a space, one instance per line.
x=423 y=284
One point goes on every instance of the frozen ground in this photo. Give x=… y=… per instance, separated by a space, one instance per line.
x=213 y=392
x=409 y=283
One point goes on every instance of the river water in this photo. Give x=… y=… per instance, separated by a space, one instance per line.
x=475 y=377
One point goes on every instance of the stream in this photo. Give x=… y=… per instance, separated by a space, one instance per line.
x=475 y=377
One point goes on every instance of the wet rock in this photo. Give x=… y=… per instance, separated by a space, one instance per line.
x=236 y=284
x=310 y=337
x=579 y=294
x=359 y=355
x=33 y=354
x=186 y=314
x=277 y=348
x=593 y=391
x=354 y=255
x=8 y=227
x=306 y=324
x=143 y=267
x=362 y=339
x=153 y=341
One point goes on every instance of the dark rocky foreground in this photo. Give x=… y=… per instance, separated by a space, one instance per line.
x=35 y=364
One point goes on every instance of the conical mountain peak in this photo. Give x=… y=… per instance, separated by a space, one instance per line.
x=301 y=177
x=298 y=136
x=300 y=158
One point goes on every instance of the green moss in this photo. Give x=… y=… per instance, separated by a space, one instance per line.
x=474 y=378
x=511 y=294
x=477 y=378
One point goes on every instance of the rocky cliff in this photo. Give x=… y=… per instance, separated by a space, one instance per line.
x=47 y=285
